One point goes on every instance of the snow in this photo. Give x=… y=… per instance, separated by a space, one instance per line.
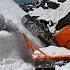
x=10 y=12
x=45 y=4
x=52 y=29
x=56 y=1
x=8 y=46
x=15 y=64
x=53 y=50
x=9 y=54
x=65 y=67
x=51 y=14
x=4 y=33
x=40 y=1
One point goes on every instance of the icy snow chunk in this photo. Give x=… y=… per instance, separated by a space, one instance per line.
x=54 y=50
x=52 y=29
x=6 y=37
x=54 y=1
x=37 y=52
x=51 y=50
x=57 y=1
x=4 y=34
x=45 y=4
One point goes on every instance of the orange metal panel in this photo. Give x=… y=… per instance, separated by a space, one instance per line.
x=63 y=37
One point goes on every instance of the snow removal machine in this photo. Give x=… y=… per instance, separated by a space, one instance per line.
x=42 y=60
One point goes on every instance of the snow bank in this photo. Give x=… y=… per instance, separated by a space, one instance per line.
x=65 y=67
x=54 y=50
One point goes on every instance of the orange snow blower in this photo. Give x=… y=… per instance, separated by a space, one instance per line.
x=42 y=56
x=63 y=37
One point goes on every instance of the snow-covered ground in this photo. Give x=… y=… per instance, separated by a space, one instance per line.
x=15 y=64
x=51 y=14
x=11 y=11
x=9 y=54
x=55 y=16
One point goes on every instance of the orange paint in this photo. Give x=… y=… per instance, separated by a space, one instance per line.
x=63 y=37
